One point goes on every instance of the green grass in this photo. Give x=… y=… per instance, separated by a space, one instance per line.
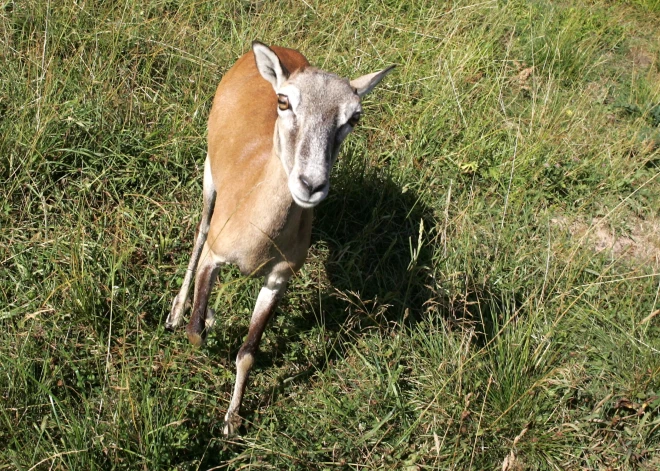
x=450 y=316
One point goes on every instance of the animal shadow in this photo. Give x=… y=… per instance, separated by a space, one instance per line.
x=376 y=234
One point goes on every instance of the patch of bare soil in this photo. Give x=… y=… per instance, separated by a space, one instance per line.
x=638 y=241
x=640 y=57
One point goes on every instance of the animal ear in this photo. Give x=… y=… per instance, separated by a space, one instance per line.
x=366 y=83
x=269 y=65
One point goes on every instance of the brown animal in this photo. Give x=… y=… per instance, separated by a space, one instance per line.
x=274 y=132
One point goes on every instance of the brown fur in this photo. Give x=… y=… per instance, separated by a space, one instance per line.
x=246 y=173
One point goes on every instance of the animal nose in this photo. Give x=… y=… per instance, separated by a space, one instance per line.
x=309 y=186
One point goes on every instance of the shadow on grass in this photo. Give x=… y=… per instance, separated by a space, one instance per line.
x=372 y=230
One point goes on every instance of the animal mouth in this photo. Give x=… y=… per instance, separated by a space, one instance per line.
x=310 y=202
x=303 y=197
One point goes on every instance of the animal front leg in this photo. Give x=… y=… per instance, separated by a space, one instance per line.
x=267 y=301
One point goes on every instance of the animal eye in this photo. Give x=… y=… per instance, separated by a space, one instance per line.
x=354 y=119
x=283 y=102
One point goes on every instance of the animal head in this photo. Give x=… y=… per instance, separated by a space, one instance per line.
x=316 y=111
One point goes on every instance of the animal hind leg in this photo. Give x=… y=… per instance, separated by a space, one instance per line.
x=202 y=317
x=267 y=300
x=175 y=317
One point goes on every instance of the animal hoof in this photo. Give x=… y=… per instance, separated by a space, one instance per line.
x=209 y=322
x=195 y=338
x=176 y=313
x=175 y=318
x=232 y=422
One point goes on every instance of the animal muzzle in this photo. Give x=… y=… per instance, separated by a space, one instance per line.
x=307 y=190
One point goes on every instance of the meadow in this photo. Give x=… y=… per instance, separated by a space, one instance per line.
x=483 y=287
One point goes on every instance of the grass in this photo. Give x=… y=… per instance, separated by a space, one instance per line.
x=450 y=315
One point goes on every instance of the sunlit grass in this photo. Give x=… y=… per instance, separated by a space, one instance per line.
x=479 y=293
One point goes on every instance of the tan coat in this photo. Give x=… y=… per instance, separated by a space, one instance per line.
x=260 y=227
